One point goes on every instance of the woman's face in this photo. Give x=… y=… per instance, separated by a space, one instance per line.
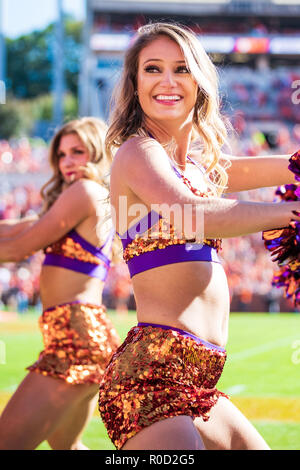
x=167 y=91
x=72 y=154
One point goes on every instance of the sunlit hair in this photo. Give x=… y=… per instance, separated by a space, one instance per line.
x=209 y=128
x=91 y=131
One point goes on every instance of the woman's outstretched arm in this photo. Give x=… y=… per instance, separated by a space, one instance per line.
x=144 y=167
x=13 y=227
x=75 y=204
x=246 y=173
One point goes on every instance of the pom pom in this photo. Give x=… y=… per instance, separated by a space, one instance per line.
x=294 y=165
x=289 y=192
x=284 y=244
x=290 y=281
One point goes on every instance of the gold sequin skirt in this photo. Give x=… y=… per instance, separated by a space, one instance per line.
x=156 y=374
x=79 y=339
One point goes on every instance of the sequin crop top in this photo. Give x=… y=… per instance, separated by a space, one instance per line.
x=151 y=248
x=75 y=253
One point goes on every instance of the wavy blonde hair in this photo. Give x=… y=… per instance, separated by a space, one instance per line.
x=91 y=131
x=209 y=127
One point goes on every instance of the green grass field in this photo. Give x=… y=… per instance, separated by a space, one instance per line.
x=262 y=373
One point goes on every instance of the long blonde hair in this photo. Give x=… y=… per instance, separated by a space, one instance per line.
x=91 y=131
x=209 y=129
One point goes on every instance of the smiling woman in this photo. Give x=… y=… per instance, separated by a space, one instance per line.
x=169 y=132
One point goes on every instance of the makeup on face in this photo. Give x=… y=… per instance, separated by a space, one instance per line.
x=72 y=156
x=166 y=89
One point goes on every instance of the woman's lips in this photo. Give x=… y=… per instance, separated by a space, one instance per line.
x=71 y=175
x=168 y=99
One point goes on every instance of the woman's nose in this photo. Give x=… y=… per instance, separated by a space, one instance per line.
x=68 y=160
x=168 y=78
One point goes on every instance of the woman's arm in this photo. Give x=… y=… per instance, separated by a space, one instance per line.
x=247 y=173
x=12 y=227
x=75 y=204
x=144 y=166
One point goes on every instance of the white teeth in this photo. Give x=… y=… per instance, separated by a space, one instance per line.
x=168 y=97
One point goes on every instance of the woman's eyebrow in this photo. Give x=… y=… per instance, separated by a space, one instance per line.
x=73 y=148
x=160 y=60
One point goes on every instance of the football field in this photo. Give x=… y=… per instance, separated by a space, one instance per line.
x=261 y=375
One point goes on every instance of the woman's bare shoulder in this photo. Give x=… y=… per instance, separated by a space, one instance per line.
x=85 y=190
x=137 y=150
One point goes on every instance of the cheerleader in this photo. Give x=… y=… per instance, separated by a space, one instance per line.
x=159 y=389
x=57 y=397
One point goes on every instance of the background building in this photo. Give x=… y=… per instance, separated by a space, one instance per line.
x=260 y=38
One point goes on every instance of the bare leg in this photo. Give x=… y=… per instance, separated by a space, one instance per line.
x=178 y=433
x=68 y=434
x=228 y=429
x=36 y=409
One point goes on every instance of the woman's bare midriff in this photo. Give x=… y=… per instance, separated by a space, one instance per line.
x=59 y=286
x=192 y=296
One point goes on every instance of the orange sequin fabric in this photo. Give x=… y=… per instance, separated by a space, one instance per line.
x=79 y=340
x=159 y=237
x=69 y=248
x=157 y=374
x=163 y=234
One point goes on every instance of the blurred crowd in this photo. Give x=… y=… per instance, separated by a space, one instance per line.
x=23 y=156
x=265 y=94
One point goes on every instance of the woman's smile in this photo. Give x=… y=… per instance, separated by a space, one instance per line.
x=168 y=100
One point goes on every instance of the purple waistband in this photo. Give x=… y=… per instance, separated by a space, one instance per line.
x=99 y=271
x=186 y=334
x=170 y=255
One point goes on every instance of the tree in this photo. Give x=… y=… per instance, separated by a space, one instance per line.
x=10 y=121
x=30 y=58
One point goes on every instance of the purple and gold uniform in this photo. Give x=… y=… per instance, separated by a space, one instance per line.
x=159 y=371
x=78 y=337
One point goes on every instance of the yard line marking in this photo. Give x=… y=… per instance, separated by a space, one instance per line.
x=235 y=389
x=246 y=353
x=10 y=389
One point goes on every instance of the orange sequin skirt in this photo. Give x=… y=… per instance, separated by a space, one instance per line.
x=157 y=374
x=79 y=339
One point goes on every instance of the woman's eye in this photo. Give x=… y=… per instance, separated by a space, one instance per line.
x=182 y=69
x=152 y=69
